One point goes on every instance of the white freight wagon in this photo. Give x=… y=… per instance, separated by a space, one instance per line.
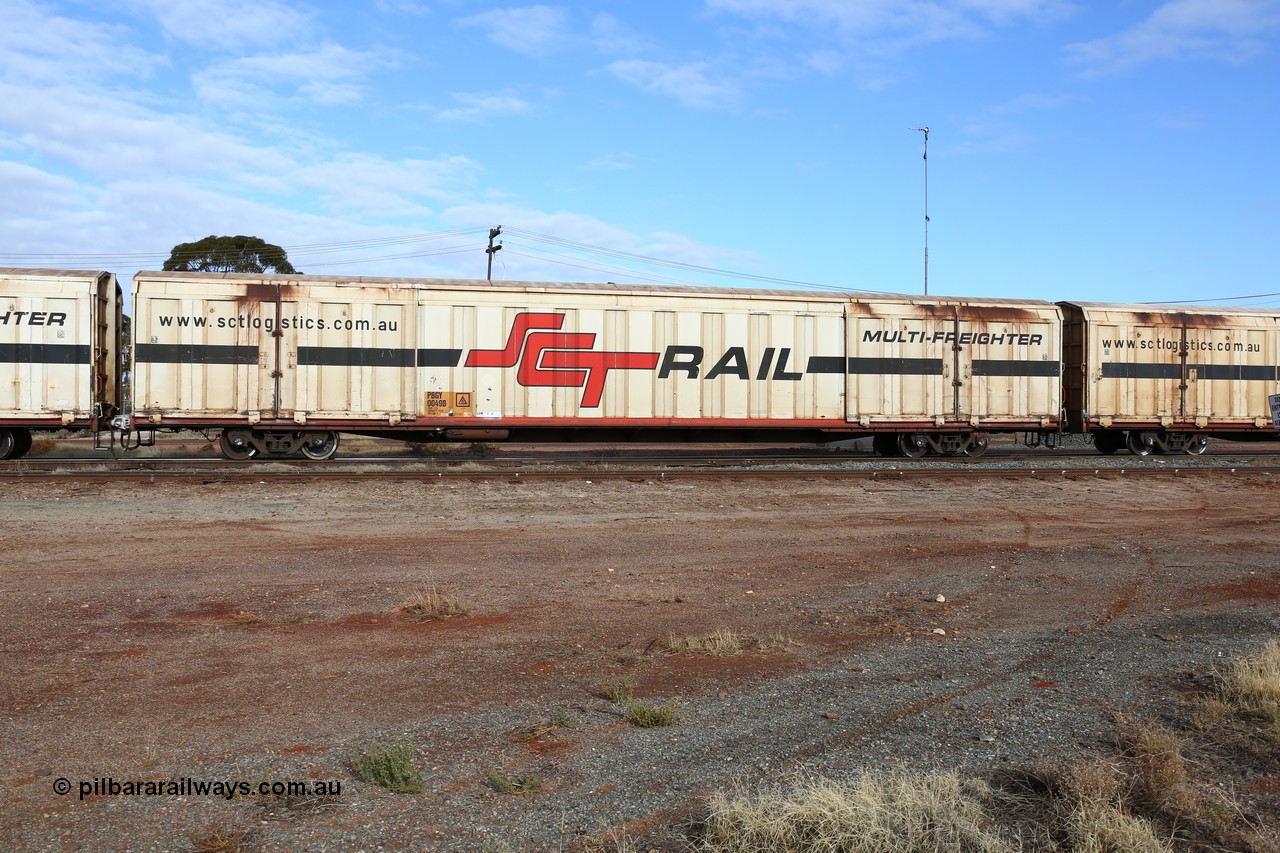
x=1159 y=378
x=284 y=364
x=59 y=353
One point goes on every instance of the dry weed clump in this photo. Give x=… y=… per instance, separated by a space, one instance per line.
x=649 y=715
x=876 y=813
x=719 y=643
x=1161 y=778
x=392 y=767
x=1093 y=816
x=426 y=605
x=1251 y=687
x=219 y=838
x=1106 y=829
x=726 y=643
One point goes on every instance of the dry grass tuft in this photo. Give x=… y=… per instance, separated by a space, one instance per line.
x=1106 y=829
x=611 y=841
x=392 y=767
x=1161 y=778
x=505 y=783
x=1092 y=814
x=219 y=838
x=882 y=813
x=647 y=715
x=1252 y=686
x=617 y=692
x=426 y=605
x=721 y=643
x=41 y=445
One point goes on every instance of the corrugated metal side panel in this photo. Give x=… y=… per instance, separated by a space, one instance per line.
x=207 y=349
x=597 y=356
x=197 y=350
x=48 y=344
x=953 y=363
x=354 y=351
x=1196 y=369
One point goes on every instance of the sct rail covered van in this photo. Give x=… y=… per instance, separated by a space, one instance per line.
x=284 y=364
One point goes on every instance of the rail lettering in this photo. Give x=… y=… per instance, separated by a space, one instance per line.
x=33 y=318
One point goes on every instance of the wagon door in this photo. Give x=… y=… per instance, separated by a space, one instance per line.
x=200 y=352
x=355 y=357
x=899 y=371
x=1007 y=365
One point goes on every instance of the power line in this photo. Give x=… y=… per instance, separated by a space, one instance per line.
x=1215 y=300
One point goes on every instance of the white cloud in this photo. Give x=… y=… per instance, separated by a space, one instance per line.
x=1003 y=128
x=326 y=75
x=1224 y=30
x=528 y=258
x=688 y=83
x=232 y=25
x=892 y=24
x=611 y=163
x=611 y=38
x=477 y=107
x=535 y=31
x=39 y=47
x=352 y=184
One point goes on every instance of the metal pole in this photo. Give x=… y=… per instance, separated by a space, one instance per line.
x=493 y=235
x=925 y=131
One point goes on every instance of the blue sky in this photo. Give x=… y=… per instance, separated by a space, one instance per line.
x=1119 y=151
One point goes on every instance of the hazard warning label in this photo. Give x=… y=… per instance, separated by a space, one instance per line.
x=444 y=404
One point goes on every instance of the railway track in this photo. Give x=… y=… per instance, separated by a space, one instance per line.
x=646 y=465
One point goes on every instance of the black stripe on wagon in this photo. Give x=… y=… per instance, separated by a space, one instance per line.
x=1235 y=372
x=1232 y=372
x=439 y=357
x=897 y=366
x=826 y=364
x=355 y=357
x=45 y=353
x=1015 y=367
x=195 y=354
x=1131 y=370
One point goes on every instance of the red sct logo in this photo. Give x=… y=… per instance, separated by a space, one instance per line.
x=558 y=359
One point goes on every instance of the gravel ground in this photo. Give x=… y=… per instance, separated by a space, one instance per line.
x=249 y=631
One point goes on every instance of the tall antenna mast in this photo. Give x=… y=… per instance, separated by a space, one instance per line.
x=925 y=131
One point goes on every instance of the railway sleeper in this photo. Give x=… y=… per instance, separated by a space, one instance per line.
x=240 y=444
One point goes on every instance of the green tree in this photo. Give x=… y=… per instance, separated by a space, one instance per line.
x=229 y=254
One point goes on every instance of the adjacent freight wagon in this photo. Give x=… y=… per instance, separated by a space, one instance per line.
x=59 y=353
x=283 y=365
x=1159 y=379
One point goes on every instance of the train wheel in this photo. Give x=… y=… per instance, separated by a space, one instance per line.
x=8 y=444
x=913 y=444
x=236 y=445
x=1108 y=441
x=1198 y=445
x=21 y=443
x=1142 y=443
x=976 y=445
x=320 y=445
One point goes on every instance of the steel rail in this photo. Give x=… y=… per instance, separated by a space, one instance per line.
x=246 y=472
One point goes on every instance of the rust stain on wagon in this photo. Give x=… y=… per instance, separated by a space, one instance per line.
x=258 y=292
